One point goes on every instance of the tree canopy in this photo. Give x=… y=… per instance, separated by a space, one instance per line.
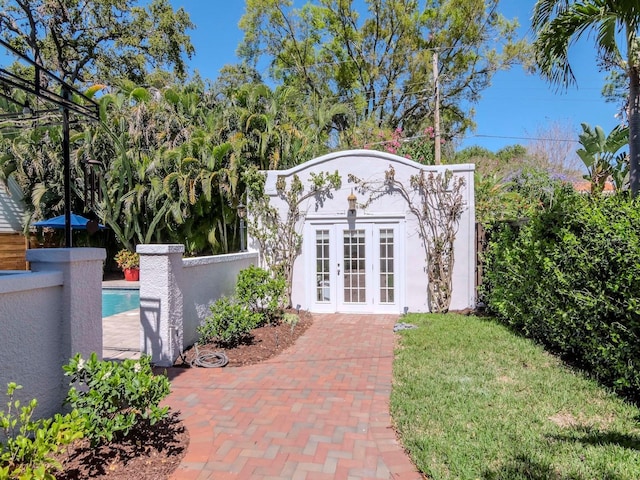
x=98 y=40
x=378 y=59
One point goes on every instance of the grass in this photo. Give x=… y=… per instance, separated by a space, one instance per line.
x=471 y=400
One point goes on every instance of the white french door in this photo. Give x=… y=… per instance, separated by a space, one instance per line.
x=355 y=268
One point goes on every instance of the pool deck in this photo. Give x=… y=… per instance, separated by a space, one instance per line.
x=121 y=332
x=120 y=284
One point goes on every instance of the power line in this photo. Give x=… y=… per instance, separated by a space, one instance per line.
x=421 y=136
x=521 y=138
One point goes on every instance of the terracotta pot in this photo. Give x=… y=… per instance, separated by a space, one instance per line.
x=132 y=274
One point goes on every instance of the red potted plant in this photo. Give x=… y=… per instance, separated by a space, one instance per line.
x=129 y=262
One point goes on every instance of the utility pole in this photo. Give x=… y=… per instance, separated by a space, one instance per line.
x=436 y=115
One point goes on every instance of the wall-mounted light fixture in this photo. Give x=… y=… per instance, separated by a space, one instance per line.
x=352 y=203
x=242 y=213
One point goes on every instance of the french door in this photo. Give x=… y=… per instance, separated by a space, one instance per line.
x=355 y=268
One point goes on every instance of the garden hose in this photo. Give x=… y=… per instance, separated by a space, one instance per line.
x=208 y=359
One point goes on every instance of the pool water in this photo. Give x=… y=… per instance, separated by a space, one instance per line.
x=118 y=300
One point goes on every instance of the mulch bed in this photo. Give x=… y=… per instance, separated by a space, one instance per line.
x=155 y=454
x=144 y=455
x=264 y=343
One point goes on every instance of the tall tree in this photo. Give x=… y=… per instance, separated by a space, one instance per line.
x=98 y=40
x=167 y=176
x=560 y=23
x=278 y=128
x=378 y=59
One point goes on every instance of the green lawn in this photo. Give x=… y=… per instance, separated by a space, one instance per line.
x=471 y=400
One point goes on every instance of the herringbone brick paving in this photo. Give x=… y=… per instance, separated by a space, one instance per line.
x=320 y=410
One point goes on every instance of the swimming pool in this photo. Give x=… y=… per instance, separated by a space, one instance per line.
x=118 y=300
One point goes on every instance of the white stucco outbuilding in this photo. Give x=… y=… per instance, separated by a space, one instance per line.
x=371 y=260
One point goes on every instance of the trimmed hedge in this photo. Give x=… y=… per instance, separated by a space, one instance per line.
x=570 y=279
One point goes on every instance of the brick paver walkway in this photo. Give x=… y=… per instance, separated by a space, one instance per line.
x=318 y=411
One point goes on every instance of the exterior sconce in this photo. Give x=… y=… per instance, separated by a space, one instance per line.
x=352 y=203
x=242 y=213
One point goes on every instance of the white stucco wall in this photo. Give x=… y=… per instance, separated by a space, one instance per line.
x=161 y=302
x=46 y=316
x=207 y=279
x=369 y=165
x=81 y=294
x=30 y=321
x=175 y=295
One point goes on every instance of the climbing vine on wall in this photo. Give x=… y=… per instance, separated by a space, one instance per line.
x=436 y=200
x=280 y=236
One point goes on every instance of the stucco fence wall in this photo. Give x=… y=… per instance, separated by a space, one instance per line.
x=175 y=295
x=54 y=311
x=48 y=315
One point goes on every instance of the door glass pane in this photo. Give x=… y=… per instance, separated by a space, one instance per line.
x=386 y=266
x=323 y=278
x=354 y=266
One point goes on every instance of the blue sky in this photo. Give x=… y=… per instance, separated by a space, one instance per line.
x=516 y=107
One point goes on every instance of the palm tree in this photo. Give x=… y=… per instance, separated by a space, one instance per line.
x=560 y=23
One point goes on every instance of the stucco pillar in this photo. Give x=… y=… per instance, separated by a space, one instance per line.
x=81 y=269
x=161 y=302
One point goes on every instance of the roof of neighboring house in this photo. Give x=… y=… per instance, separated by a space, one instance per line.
x=11 y=207
x=584 y=186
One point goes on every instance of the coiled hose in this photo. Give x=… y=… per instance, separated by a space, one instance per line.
x=207 y=359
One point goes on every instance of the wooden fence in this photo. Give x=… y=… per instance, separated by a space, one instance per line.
x=482 y=240
x=13 y=247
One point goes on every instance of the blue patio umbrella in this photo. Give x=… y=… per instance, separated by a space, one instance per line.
x=78 y=222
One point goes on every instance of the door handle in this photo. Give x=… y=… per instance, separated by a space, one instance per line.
x=338 y=269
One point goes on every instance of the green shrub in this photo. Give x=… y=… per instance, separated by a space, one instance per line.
x=113 y=397
x=569 y=279
x=229 y=322
x=261 y=292
x=291 y=319
x=29 y=447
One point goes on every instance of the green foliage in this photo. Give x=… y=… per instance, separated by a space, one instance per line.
x=261 y=292
x=99 y=40
x=568 y=279
x=419 y=148
x=495 y=201
x=280 y=236
x=169 y=178
x=114 y=397
x=511 y=152
x=372 y=55
x=229 y=323
x=500 y=199
x=598 y=155
x=29 y=447
x=509 y=184
x=291 y=319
